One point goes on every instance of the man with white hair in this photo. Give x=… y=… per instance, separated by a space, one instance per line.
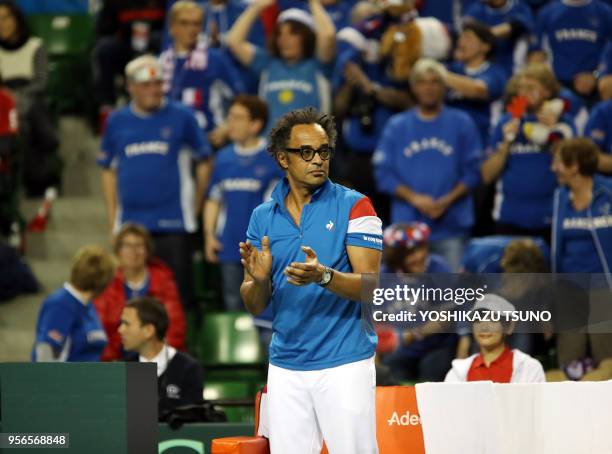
x=495 y=361
x=146 y=155
x=428 y=160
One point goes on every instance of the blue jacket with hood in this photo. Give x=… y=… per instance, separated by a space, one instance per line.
x=598 y=221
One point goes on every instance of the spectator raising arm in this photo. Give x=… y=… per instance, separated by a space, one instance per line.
x=325 y=32
x=492 y=168
x=467 y=86
x=236 y=38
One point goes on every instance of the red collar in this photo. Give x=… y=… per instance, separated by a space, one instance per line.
x=479 y=360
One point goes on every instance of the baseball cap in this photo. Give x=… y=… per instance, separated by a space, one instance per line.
x=494 y=303
x=143 y=69
x=297 y=15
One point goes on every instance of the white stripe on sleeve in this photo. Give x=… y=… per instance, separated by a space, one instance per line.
x=365 y=224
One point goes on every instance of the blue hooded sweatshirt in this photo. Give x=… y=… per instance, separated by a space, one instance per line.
x=582 y=240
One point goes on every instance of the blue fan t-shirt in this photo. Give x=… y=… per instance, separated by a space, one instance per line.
x=574 y=36
x=524 y=192
x=153 y=155
x=70 y=326
x=507 y=51
x=430 y=157
x=240 y=182
x=286 y=87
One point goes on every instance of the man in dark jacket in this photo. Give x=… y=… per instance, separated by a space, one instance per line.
x=179 y=377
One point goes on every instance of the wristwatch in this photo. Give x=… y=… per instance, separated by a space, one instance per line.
x=326 y=277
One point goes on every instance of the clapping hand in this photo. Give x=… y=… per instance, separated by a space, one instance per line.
x=303 y=273
x=257 y=264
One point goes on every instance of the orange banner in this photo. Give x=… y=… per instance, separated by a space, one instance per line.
x=398 y=424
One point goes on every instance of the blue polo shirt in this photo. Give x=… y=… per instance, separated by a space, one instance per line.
x=313 y=328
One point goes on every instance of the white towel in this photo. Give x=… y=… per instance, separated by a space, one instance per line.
x=574 y=417
x=459 y=418
x=516 y=409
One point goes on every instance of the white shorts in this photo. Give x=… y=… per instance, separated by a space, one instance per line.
x=336 y=404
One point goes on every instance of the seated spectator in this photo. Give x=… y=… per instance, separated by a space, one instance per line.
x=599 y=130
x=572 y=34
x=511 y=22
x=407 y=250
x=139 y=274
x=124 y=30
x=496 y=361
x=485 y=255
x=529 y=291
x=427 y=160
x=147 y=155
x=23 y=70
x=295 y=70
x=475 y=82
x=144 y=323
x=582 y=224
x=68 y=327
x=424 y=352
x=200 y=77
x=521 y=155
x=582 y=239
x=243 y=174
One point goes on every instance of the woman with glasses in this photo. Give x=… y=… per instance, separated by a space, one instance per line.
x=139 y=274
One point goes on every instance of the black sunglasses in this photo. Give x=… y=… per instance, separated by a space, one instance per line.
x=308 y=153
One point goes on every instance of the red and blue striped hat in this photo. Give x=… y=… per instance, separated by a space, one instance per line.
x=406 y=235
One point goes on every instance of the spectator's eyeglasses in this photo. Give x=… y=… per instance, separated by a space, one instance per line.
x=308 y=153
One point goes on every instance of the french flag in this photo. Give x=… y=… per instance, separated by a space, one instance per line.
x=192 y=97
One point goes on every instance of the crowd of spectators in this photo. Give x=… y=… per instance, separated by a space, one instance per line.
x=507 y=131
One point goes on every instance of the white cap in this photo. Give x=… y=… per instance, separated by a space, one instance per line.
x=297 y=15
x=143 y=69
x=494 y=303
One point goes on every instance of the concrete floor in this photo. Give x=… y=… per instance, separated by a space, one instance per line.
x=78 y=218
